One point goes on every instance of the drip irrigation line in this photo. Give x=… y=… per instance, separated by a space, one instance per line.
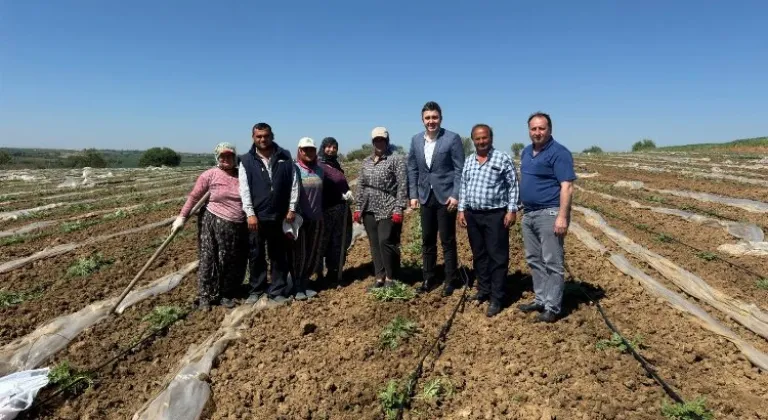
x=644 y=363
x=416 y=373
x=647 y=228
x=128 y=349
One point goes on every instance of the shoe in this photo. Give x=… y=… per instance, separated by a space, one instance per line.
x=531 y=307
x=227 y=303
x=493 y=310
x=311 y=293
x=279 y=299
x=425 y=287
x=448 y=290
x=253 y=298
x=547 y=316
x=480 y=298
x=300 y=296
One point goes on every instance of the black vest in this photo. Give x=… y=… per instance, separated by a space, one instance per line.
x=270 y=197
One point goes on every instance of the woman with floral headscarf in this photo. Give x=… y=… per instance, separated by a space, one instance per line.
x=223 y=232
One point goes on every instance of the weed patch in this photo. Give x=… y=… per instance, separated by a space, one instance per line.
x=163 y=316
x=86 y=266
x=762 y=284
x=663 y=237
x=393 y=398
x=15 y=298
x=616 y=342
x=691 y=410
x=706 y=256
x=63 y=377
x=437 y=390
x=396 y=291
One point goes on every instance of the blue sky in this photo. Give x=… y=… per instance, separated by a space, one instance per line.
x=132 y=75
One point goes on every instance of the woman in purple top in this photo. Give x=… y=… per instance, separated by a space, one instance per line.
x=223 y=233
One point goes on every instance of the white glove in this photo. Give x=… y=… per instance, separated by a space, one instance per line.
x=348 y=196
x=178 y=224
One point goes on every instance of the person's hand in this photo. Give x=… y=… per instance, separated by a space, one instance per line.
x=397 y=218
x=253 y=223
x=348 y=197
x=356 y=217
x=462 y=220
x=452 y=204
x=290 y=217
x=178 y=224
x=509 y=219
x=561 y=226
x=414 y=204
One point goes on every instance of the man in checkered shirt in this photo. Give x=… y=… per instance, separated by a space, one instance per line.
x=487 y=208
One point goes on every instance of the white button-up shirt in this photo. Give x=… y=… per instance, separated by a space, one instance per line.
x=429 y=149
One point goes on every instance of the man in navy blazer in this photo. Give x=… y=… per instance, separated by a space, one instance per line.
x=435 y=163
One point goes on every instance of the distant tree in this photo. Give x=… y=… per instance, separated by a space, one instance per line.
x=5 y=157
x=644 y=144
x=159 y=156
x=469 y=147
x=593 y=149
x=88 y=157
x=517 y=148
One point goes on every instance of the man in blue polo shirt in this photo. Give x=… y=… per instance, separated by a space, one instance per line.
x=546 y=187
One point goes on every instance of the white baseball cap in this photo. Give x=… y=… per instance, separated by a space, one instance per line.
x=379 y=132
x=306 y=142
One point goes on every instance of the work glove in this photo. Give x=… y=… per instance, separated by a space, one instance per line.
x=348 y=197
x=178 y=224
x=397 y=218
x=356 y=217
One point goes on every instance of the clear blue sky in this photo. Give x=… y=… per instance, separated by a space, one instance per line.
x=136 y=74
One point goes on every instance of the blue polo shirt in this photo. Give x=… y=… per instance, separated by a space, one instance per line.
x=542 y=174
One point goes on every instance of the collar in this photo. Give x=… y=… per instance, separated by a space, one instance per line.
x=312 y=168
x=439 y=132
x=490 y=154
x=546 y=145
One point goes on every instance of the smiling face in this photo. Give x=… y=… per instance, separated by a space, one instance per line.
x=331 y=150
x=226 y=161
x=262 y=139
x=431 y=120
x=539 y=131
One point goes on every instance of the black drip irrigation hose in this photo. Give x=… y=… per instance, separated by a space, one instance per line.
x=672 y=238
x=644 y=363
x=410 y=387
x=90 y=373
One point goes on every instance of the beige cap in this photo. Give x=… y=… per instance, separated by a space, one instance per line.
x=379 y=132
x=306 y=142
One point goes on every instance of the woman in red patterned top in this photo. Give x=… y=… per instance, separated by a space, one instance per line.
x=223 y=232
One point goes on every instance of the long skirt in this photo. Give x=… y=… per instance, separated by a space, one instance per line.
x=223 y=250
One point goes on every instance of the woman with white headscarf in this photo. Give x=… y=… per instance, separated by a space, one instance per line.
x=223 y=235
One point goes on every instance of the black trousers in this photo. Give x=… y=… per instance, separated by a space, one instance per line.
x=384 y=237
x=489 y=241
x=435 y=218
x=269 y=239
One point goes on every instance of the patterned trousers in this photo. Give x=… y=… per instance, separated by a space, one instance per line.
x=331 y=243
x=306 y=252
x=223 y=249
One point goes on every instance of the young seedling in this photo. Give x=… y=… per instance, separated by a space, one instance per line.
x=643 y=227
x=13 y=239
x=84 y=267
x=762 y=284
x=118 y=214
x=398 y=330
x=655 y=199
x=663 y=237
x=706 y=256
x=617 y=343
x=63 y=377
x=393 y=398
x=163 y=316
x=691 y=410
x=437 y=390
x=397 y=291
x=14 y=298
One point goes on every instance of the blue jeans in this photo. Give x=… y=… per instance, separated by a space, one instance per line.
x=544 y=253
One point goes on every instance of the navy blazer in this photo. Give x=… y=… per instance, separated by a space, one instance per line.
x=444 y=176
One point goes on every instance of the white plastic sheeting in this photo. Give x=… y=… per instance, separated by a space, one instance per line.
x=752 y=237
x=15 y=214
x=678 y=302
x=35 y=348
x=64 y=248
x=742 y=203
x=748 y=315
x=18 y=391
x=187 y=393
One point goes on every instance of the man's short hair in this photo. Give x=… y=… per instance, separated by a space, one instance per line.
x=540 y=114
x=485 y=126
x=432 y=106
x=262 y=126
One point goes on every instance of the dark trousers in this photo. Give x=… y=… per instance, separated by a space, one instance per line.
x=269 y=239
x=222 y=257
x=489 y=241
x=435 y=218
x=384 y=237
x=305 y=253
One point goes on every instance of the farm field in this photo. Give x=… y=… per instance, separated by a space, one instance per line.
x=333 y=357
